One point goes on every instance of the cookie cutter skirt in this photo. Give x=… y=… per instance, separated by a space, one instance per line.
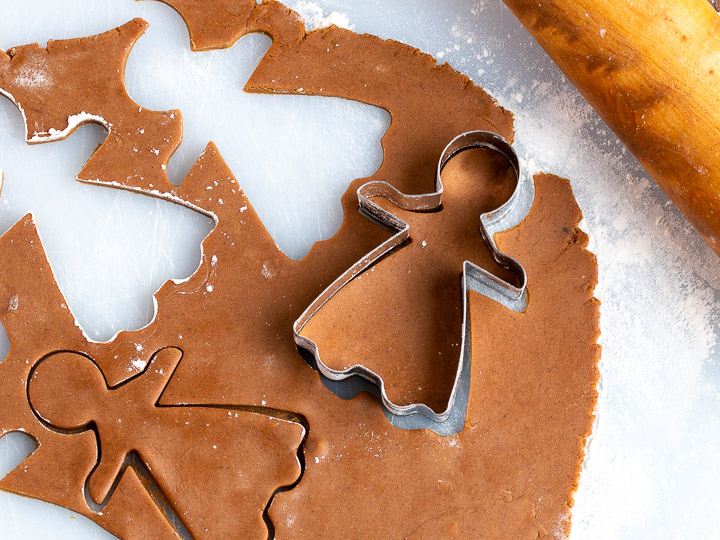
x=349 y=382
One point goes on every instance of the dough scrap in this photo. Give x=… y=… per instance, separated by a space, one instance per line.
x=215 y=24
x=83 y=81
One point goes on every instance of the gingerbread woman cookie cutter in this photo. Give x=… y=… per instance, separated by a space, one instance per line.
x=475 y=278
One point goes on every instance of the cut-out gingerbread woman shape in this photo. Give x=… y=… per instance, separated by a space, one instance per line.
x=211 y=463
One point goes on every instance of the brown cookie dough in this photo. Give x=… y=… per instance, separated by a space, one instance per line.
x=213 y=24
x=233 y=321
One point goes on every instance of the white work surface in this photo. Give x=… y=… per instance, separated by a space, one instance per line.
x=653 y=465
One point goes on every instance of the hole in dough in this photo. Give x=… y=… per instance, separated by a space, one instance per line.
x=15 y=448
x=4 y=344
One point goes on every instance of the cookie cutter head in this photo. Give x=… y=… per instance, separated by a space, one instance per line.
x=349 y=382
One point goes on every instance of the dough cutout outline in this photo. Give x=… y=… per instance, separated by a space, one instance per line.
x=69 y=394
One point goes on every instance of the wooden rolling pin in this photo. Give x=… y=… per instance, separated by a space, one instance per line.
x=651 y=69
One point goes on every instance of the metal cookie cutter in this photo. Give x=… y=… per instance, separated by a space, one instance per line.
x=513 y=211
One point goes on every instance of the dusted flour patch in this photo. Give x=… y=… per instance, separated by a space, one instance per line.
x=659 y=321
x=314 y=17
x=268 y=271
x=35 y=77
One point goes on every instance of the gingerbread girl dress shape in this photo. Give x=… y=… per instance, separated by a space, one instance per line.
x=215 y=466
